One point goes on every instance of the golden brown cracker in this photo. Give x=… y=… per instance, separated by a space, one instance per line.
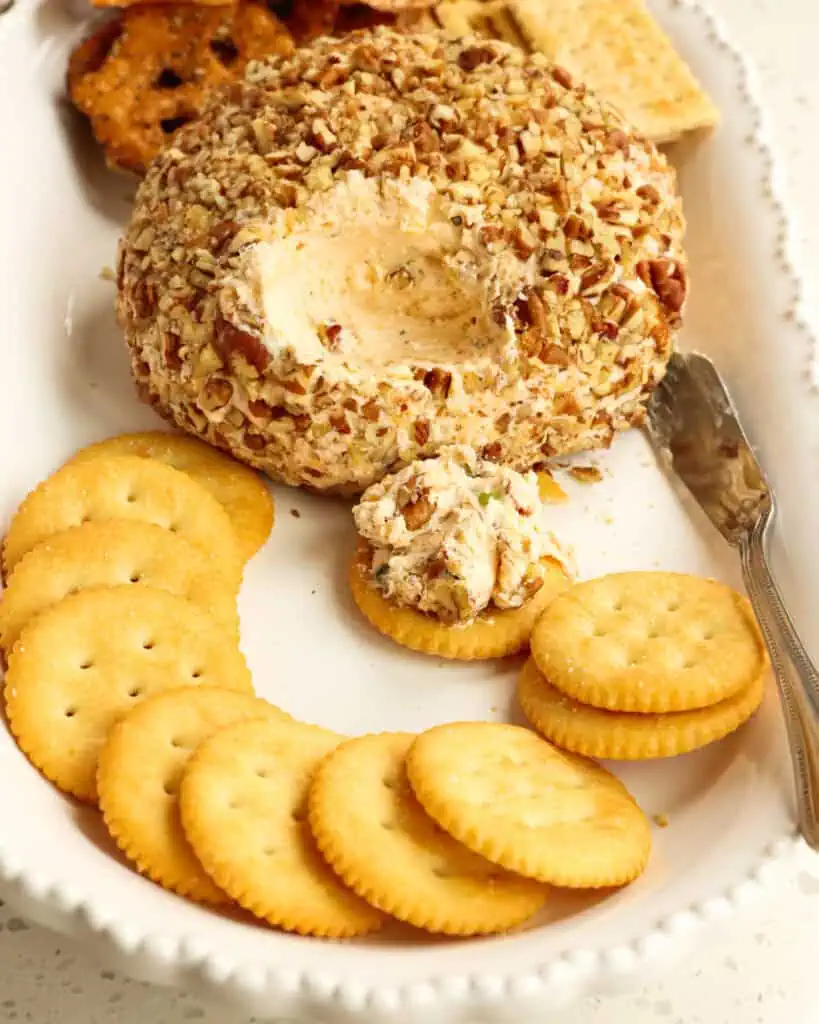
x=383 y=845
x=492 y=634
x=649 y=642
x=620 y=735
x=138 y=775
x=619 y=51
x=150 y=72
x=110 y=553
x=243 y=803
x=238 y=488
x=527 y=806
x=78 y=667
x=123 y=487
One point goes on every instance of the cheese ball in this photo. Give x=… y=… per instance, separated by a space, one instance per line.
x=386 y=244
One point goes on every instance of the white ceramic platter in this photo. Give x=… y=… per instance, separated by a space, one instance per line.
x=65 y=382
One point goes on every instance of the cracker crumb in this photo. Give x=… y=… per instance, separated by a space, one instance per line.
x=661 y=820
x=294 y=512
x=107 y=274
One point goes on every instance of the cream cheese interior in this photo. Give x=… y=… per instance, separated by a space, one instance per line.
x=377 y=275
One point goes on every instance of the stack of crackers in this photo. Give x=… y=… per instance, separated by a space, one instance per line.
x=146 y=73
x=643 y=665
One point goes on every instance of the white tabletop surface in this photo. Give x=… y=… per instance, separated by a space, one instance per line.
x=759 y=968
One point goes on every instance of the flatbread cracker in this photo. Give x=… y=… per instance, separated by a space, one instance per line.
x=124 y=487
x=81 y=665
x=380 y=841
x=619 y=735
x=110 y=553
x=649 y=642
x=243 y=802
x=138 y=775
x=529 y=807
x=238 y=488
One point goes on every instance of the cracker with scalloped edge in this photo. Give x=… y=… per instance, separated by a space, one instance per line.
x=495 y=633
x=80 y=666
x=380 y=841
x=110 y=553
x=138 y=774
x=243 y=804
x=649 y=642
x=124 y=487
x=529 y=807
x=624 y=736
x=241 y=490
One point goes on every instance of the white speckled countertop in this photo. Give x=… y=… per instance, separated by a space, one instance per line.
x=759 y=968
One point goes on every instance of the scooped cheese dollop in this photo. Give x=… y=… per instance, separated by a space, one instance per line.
x=455 y=534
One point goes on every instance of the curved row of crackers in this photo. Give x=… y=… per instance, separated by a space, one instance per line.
x=221 y=797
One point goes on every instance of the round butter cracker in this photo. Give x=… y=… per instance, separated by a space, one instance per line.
x=110 y=553
x=241 y=491
x=138 y=775
x=380 y=841
x=123 y=487
x=495 y=633
x=623 y=735
x=80 y=666
x=649 y=642
x=515 y=799
x=243 y=803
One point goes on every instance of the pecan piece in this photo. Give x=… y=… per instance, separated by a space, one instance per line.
x=562 y=77
x=668 y=279
x=554 y=355
x=232 y=341
x=418 y=513
x=173 y=344
x=475 y=55
x=223 y=233
x=216 y=394
x=438 y=381
x=421 y=432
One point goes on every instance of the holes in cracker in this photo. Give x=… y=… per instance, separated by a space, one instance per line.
x=86 y=664
x=197 y=673
x=299 y=815
x=269 y=851
x=283 y=9
x=225 y=50
x=178 y=744
x=134 y=692
x=70 y=712
x=135 y=577
x=168 y=79
x=169 y=788
x=148 y=645
x=169 y=125
x=130 y=498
